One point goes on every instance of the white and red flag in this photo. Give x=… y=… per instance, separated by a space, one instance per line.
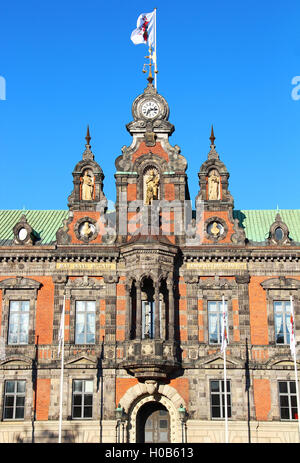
x=144 y=32
x=224 y=336
x=292 y=328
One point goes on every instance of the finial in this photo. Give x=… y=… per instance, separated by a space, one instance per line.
x=88 y=138
x=212 y=136
x=150 y=78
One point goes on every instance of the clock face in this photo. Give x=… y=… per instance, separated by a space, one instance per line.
x=150 y=109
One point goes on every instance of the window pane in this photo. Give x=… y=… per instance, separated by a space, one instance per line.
x=216 y=412
x=88 y=400
x=214 y=386
x=8 y=413
x=77 y=386
x=215 y=399
x=284 y=401
x=88 y=386
x=10 y=386
x=76 y=412
x=293 y=387
x=20 y=401
x=283 y=386
x=19 y=412
x=24 y=306
x=77 y=399
x=88 y=412
x=9 y=401
x=284 y=413
x=91 y=306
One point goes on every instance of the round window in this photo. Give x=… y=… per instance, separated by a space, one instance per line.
x=279 y=234
x=22 y=235
x=215 y=229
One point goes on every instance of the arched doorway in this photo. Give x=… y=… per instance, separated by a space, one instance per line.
x=153 y=424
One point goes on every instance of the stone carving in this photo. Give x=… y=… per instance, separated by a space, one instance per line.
x=151 y=186
x=213 y=185
x=87 y=187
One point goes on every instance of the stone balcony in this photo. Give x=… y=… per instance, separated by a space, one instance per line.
x=151 y=358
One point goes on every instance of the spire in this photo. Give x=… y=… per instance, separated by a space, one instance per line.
x=150 y=77
x=87 y=154
x=212 y=136
x=212 y=153
x=88 y=138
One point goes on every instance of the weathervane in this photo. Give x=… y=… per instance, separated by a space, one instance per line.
x=150 y=64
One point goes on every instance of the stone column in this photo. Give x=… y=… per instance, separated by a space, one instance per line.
x=192 y=306
x=128 y=316
x=138 y=332
x=110 y=307
x=156 y=315
x=171 y=327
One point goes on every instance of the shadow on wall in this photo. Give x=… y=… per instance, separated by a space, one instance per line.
x=68 y=436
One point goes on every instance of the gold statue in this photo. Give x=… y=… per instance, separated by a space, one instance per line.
x=86 y=230
x=213 y=185
x=214 y=229
x=152 y=183
x=87 y=187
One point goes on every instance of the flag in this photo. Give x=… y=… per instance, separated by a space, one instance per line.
x=144 y=31
x=61 y=333
x=292 y=329
x=224 y=335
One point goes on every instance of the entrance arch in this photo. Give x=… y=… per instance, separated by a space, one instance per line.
x=136 y=396
x=153 y=424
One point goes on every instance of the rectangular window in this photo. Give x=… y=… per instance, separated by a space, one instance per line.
x=288 y=400
x=14 y=400
x=215 y=314
x=85 y=322
x=282 y=314
x=217 y=399
x=18 y=324
x=148 y=309
x=82 y=403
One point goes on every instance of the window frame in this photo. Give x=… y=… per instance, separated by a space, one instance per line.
x=286 y=332
x=14 y=394
x=289 y=395
x=221 y=395
x=82 y=394
x=85 y=312
x=19 y=312
x=219 y=313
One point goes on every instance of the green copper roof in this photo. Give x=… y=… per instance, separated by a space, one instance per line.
x=256 y=223
x=44 y=223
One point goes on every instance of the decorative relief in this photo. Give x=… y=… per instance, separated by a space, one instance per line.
x=215 y=229
x=151 y=185
x=86 y=229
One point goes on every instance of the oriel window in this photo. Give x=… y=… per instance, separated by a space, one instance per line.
x=282 y=314
x=85 y=322
x=14 y=400
x=18 y=324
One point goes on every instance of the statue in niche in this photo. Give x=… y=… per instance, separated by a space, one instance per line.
x=213 y=185
x=87 y=187
x=86 y=230
x=152 y=186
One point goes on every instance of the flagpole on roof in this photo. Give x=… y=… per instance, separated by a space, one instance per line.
x=61 y=346
x=293 y=351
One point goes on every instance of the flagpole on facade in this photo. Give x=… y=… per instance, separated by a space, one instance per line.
x=225 y=372
x=155 y=68
x=62 y=344
x=293 y=341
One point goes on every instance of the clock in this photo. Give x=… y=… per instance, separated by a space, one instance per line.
x=150 y=109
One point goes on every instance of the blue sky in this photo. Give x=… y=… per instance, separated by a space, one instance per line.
x=71 y=63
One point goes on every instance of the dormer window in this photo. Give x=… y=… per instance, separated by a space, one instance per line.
x=279 y=234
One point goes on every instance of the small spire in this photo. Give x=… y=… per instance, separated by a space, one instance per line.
x=212 y=136
x=88 y=138
x=88 y=153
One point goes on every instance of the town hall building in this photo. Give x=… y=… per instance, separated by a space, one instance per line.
x=144 y=288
